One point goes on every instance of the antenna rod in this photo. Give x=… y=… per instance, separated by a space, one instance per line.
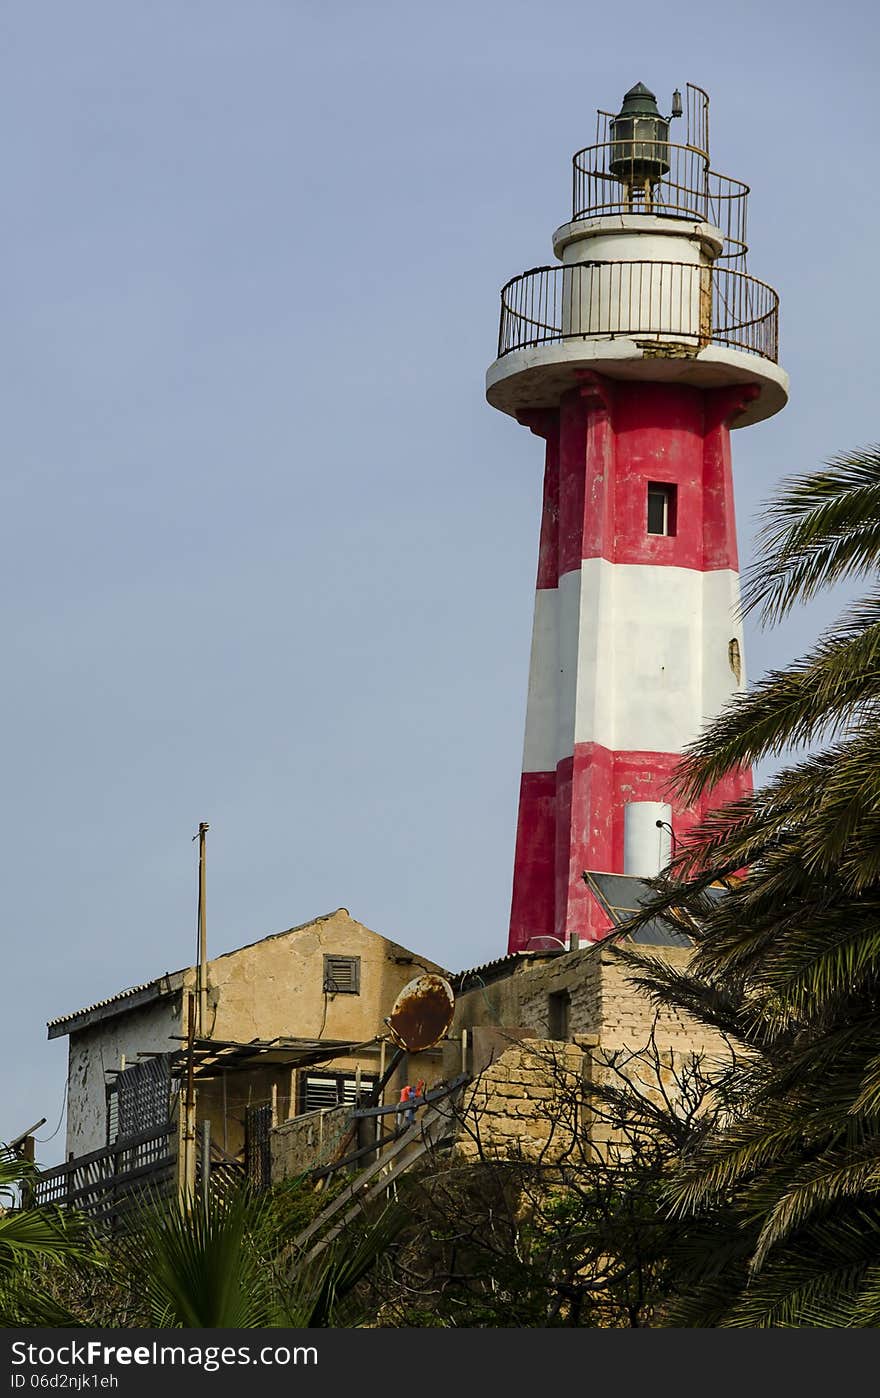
x=203 y=935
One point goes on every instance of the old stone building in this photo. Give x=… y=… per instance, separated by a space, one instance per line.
x=295 y=1020
x=296 y=1037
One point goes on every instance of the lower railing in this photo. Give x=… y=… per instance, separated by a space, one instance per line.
x=666 y=301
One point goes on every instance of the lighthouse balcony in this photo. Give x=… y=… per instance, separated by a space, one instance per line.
x=688 y=322
x=685 y=302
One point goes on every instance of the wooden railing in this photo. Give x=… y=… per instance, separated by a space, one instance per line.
x=381 y=1162
x=106 y=1184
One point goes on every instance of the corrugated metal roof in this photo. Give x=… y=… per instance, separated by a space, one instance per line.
x=110 y=1000
x=498 y=967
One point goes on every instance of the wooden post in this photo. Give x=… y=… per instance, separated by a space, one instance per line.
x=27 y=1186
x=180 y=1156
x=380 y=1102
x=225 y=1131
x=189 y=1106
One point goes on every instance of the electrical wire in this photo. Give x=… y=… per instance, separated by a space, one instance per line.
x=326 y=1006
x=474 y=975
x=42 y=1140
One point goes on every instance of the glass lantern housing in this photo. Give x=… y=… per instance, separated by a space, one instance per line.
x=639 y=140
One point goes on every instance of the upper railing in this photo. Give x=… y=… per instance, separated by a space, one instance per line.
x=676 y=302
x=657 y=177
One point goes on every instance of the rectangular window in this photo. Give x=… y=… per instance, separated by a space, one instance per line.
x=321 y=1090
x=342 y=975
x=662 y=508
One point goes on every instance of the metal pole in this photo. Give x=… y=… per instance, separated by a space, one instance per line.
x=203 y=935
x=206 y=1163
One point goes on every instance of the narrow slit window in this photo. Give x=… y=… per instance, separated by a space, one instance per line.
x=112 y=1114
x=662 y=508
x=558 y=1007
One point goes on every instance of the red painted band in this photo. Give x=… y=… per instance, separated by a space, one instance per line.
x=613 y=444
x=572 y=819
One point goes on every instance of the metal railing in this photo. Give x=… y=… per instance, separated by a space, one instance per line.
x=659 y=177
x=675 y=302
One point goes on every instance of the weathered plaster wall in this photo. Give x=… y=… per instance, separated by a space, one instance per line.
x=101 y=1046
x=275 y=986
x=307 y=1141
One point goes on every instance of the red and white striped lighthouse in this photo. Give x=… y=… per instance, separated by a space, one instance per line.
x=632 y=358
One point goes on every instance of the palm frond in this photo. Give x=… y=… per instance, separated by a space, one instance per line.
x=821 y=527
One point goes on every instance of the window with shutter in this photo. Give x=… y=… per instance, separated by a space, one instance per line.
x=112 y=1114
x=318 y=1091
x=342 y=975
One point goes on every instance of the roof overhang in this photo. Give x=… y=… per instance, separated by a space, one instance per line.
x=124 y=1003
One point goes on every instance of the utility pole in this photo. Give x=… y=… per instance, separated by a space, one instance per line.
x=203 y=935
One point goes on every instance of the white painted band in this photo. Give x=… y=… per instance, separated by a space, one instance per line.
x=634 y=657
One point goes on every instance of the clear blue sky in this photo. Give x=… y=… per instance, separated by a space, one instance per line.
x=268 y=557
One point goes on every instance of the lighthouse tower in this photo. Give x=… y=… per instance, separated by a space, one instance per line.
x=632 y=358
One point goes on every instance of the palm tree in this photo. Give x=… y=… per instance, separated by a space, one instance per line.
x=29 y=1237
x=229 y=1265
x=788 y=961
x=178 y=1264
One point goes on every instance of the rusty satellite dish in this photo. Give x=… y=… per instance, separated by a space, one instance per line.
x=422 y=1013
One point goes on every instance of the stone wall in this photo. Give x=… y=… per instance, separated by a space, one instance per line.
x=307 y=1141
x=520 y=1102
x=520 y=1106
x=602 y=1002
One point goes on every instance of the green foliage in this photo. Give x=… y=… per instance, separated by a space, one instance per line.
x=781 y=1206
x=544 y=1241
x=748 y=1197
x=30 y=1239
x=179 y=1265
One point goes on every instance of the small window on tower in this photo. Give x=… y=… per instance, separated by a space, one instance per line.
x=662 y=508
